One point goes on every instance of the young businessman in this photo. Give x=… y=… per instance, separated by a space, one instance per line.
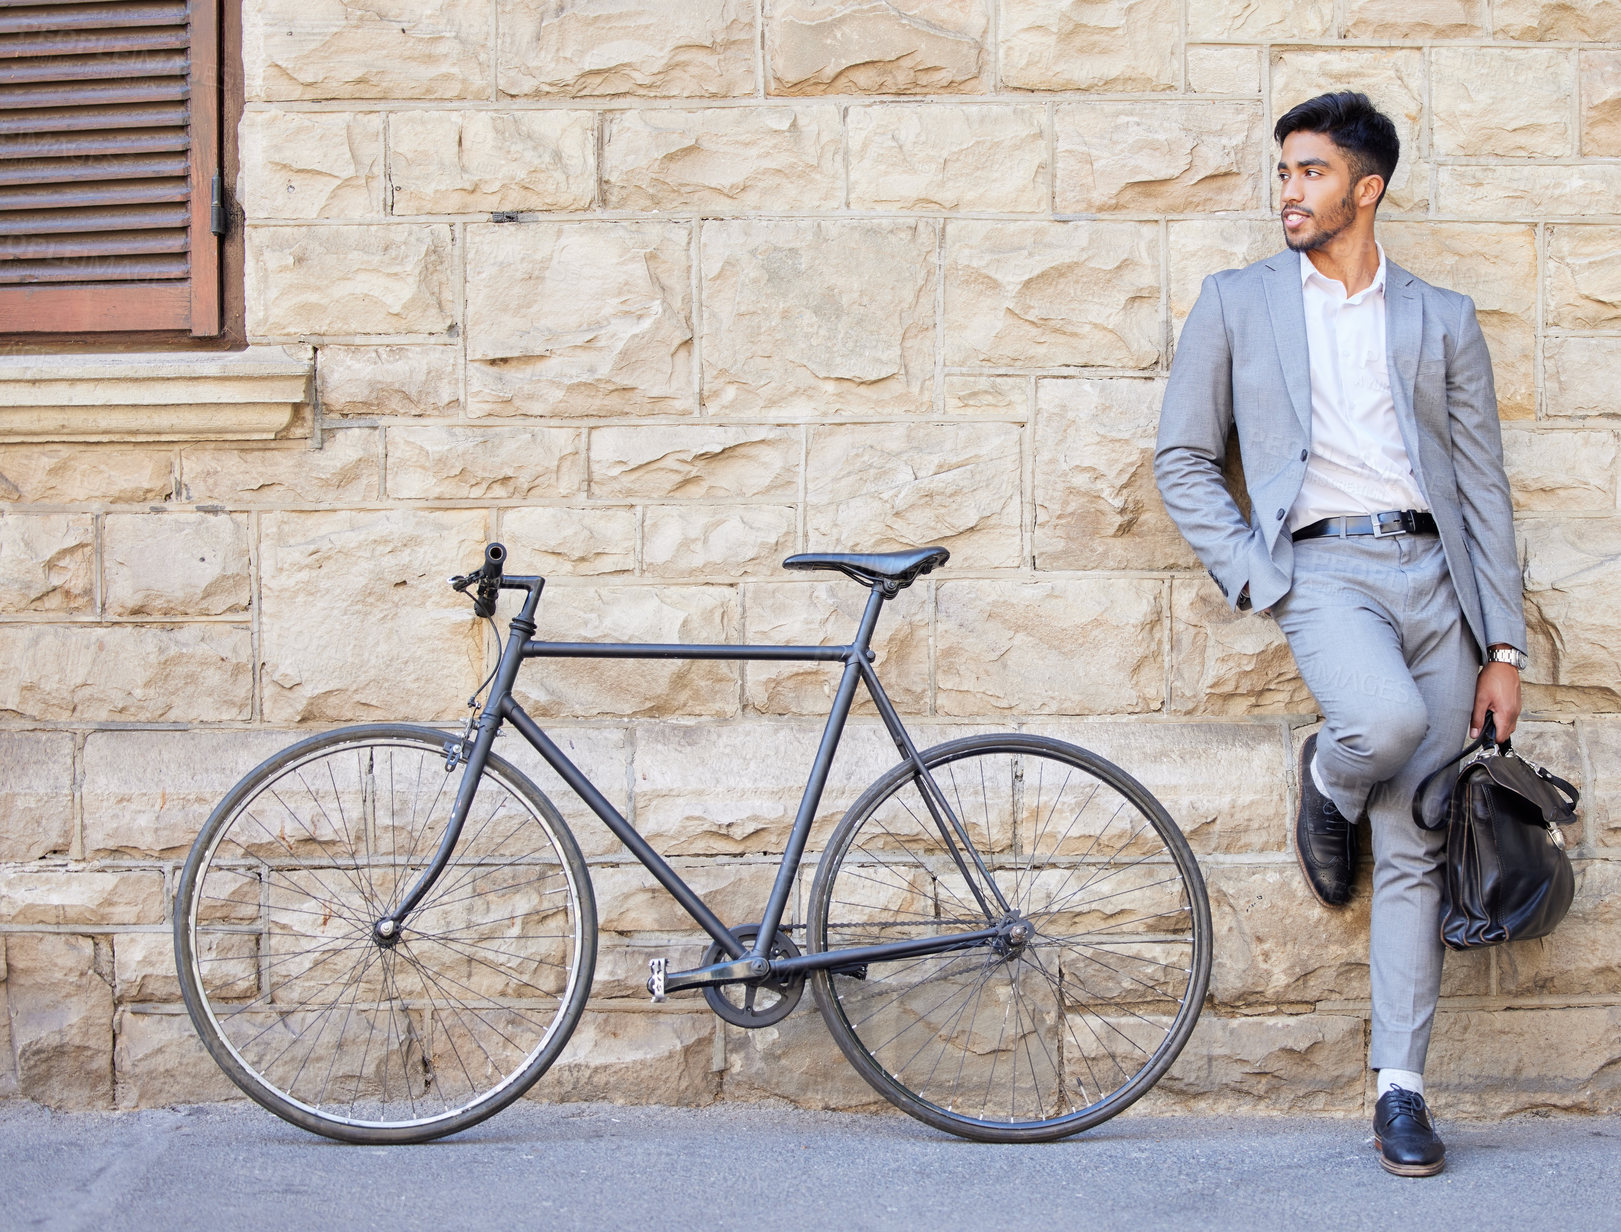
x=1380 y=539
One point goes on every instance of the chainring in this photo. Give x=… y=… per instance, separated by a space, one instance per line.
x=740 y=1004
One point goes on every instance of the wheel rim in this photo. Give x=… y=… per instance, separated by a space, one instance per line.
x=1053 y=1034
x=324 y=1019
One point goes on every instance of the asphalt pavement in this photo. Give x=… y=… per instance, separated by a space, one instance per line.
x=758 y=1167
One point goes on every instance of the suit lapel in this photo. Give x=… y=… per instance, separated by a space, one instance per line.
x=1287 y=307
x=1404 y=334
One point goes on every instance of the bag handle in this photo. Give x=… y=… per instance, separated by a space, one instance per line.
x=1488 y=735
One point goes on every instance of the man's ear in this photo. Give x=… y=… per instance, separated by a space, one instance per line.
x=1368 y=190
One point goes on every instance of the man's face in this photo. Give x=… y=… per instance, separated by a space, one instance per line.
x=1318 y=197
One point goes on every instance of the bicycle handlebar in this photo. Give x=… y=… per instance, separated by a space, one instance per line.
x=488 y=578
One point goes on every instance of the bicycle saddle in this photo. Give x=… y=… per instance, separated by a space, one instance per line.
x=897 y=570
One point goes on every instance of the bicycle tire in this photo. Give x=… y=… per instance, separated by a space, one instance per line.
x=1117 y=963
x=313 y=1017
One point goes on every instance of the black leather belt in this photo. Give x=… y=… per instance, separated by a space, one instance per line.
x=1379 y=525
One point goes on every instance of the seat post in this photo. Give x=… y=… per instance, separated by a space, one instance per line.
x=869 y=619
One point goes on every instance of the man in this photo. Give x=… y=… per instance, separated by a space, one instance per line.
x=1380 y=539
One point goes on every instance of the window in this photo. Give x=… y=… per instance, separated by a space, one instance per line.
x=111 y=196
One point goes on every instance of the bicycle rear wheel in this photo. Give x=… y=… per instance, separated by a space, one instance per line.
x=351 y=1037
x=1091 y=992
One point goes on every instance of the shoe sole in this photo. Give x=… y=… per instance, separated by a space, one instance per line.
x=1300 y=857
x=1396 y=1169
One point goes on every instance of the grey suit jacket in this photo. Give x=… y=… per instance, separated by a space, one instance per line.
x=1242 y=360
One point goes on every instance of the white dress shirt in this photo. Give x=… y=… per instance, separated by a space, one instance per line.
x=1358 y=462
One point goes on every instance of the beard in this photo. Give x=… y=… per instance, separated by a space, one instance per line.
x=1338 y=219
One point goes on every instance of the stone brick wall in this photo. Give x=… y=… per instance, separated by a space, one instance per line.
x=659 y=291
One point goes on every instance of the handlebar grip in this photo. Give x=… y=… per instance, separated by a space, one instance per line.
x=489 y=583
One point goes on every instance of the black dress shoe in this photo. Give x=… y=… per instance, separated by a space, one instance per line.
x=1402 y=1134
x=1325 y=843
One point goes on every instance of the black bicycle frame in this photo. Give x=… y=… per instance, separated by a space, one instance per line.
x=751 y=963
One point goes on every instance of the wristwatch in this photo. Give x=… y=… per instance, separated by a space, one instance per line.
x=1507 y=654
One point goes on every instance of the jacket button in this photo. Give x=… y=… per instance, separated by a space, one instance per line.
x=1302 y=455
x=1280 y=515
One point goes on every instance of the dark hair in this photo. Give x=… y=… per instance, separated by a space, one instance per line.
x=1363 y=132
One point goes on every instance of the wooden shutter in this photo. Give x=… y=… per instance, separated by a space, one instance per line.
x=109 y=157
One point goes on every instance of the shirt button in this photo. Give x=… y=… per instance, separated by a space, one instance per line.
x=1302 y=455
x=1280 y=515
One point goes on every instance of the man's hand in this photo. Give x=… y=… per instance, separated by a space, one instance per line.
x=1497 y=690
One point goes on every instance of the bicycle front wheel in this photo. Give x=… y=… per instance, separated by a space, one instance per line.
x=1092 y=989
x=344 y=1034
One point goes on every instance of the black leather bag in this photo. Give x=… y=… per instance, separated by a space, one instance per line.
x=1507 y=875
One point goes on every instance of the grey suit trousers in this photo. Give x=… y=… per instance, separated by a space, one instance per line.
x=1381 y=641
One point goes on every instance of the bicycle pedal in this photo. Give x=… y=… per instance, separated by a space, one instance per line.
x=655 y=977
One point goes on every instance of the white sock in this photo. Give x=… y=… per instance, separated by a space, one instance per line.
x=1406 y=1079
x=1317 y=777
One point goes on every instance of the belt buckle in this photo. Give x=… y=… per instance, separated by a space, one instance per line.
x=1379 y=521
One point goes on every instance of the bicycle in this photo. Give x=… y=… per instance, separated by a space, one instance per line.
x=1007 y=936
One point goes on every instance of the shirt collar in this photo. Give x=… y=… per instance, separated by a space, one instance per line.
x=1307 y=270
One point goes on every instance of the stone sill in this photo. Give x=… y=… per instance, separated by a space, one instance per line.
x=261 y=393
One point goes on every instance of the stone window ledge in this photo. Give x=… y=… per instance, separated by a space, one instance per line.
x=260 y=393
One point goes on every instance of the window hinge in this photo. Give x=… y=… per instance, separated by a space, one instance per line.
x=216 y=207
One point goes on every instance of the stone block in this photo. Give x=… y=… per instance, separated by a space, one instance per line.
x=464 y=162
x=392 y=566
x=1157 y=158
x=578 y=48
x=1224 y=70
x=377 y=49
x=1226 y=662
x=724 y=159
x=878 y=46
x=1089 y=44
x=68 y=896
x=1579 y=958
x=143 y=966
x=827 y=613
x=579 y=318
x=66 y=474
x=1577 y=20
x=946 y=156
x=988 y=397
x=1052 y=294
x=1601 y=817
x=798 y=1061
x=734 y=789
x=626 y=688
x=1574 y=632
x=61 y=1020
x=629 y=900
x=127 y=673
x=1199 y=247
x=1409 y=20
x=1580 y=376
x=1495 y=265
x=1393 y=78
x=304 y=164
x=693 y=462
x=1225 y=785
x=343 y=469
x=367 y=381
x=876 y=487
x=36 y=795
x=807 y=317
x=1275 y=945
x=1601 y=103
x=175 y=564
x=1584 y=277
x=571 y=541
x=636 y=1057
x=720 y=541
x=1556 y=472
x=1297 y=1063
x=1525 y=190
x=1268 y=21
x=1495 y=1063
x=1494 y=102
x=161 y=1062
x=349 y=279
x=47 y=562
x=521 y=462
x=1096 y=503
x=148 y=793
x=1059 y=646
x=603 y=754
